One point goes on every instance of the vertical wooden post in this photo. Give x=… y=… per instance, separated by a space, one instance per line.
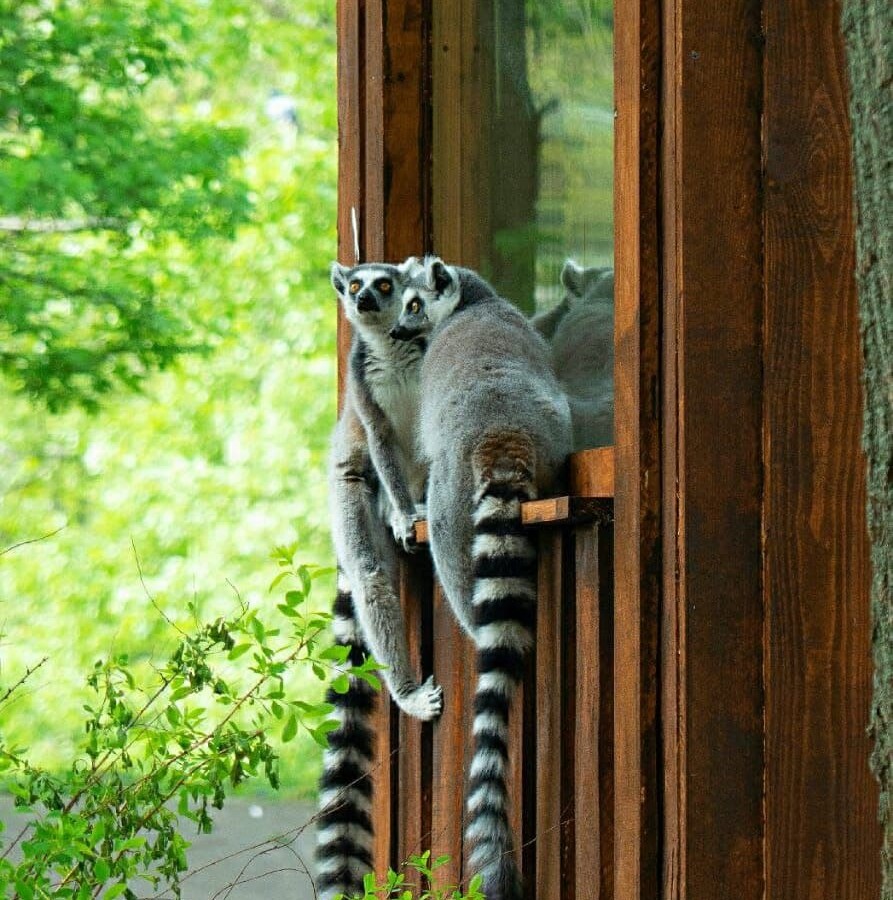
x=711 y=655
x=821 y=801
x=637 y=437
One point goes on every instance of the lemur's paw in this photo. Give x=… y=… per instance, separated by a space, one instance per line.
x=424 y=702
x=403 y=528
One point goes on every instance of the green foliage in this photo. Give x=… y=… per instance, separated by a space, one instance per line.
x=222 y=454
x=166 y=747
x=396 y=886
x=97 y=190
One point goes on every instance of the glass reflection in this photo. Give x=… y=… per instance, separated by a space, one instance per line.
x=523 y=119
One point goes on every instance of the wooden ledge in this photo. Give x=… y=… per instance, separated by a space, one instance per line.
x=591 y=477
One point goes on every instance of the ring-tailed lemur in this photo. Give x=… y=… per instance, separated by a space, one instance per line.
x=581 y=332
x=495 y=428
x=376 y=482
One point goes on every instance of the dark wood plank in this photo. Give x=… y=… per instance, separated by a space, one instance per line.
x=462 y=73
x=550 y=511
x=384 y=778
x=593 y=738
x=549 y=814
x=350 y=149
x=821 y=801
x=454 y=668
x=413 y=795
x=712 y=612
x=637 y=446
x=397 y=164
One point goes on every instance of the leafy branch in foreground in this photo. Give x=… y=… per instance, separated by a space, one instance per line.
x=396 y=886
x=154 y=754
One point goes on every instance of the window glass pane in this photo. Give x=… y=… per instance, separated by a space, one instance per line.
x=523 y=119
x=523 y=158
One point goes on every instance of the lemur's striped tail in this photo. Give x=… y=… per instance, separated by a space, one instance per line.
x=344 y=848
x=504 y=608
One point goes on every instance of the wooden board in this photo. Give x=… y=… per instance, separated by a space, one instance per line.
x=550 y=511
x=822 y=834
x=593 y=740
x=637 y=446
x=712 y=611
x=549 y=724
x=592 y=472
x=413 y=797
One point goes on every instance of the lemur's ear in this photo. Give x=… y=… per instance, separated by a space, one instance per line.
x=410 y=266
x=572 y=278
x=438 y=275
x=338 y=276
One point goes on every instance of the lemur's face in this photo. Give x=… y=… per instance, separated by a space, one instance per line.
x=414 y=321
x=429 y=298
x=371 y=293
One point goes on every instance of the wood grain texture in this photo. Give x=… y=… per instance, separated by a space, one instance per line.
x=454 y=666
x=350 y=21
x=637 y=447
x=413 y=797
x=712 y=611
x=549 y=724
x=549 y=511
x=462 y=86
x=397 y=162
x=593 y=739
x=822 y=834
x=592 y=472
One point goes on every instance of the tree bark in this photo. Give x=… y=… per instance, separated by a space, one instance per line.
x=868 y=33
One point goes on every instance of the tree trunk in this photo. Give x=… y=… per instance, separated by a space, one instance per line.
x=868 y=31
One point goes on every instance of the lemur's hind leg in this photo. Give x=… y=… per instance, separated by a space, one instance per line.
x=368 y=556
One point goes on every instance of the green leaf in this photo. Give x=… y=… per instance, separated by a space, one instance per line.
x=101 y=871
x=277 y=580
x=338 y=653
x=341 y=684
x=291 y=729
x=238 y=650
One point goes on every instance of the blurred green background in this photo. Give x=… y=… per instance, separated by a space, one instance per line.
x=168 y=189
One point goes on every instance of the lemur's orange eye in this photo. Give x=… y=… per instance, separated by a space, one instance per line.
x=385 y=287
x=354 y=287
x=415 y=307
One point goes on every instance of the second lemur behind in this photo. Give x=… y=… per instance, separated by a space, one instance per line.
x=495 y=429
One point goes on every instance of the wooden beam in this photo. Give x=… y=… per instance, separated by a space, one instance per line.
x=822 y=831
x=637 y=436
x=551 y=511
x=711 y=615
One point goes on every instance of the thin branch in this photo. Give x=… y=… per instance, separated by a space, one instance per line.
x=32 y=541
x=28 y=673
x=151 y=599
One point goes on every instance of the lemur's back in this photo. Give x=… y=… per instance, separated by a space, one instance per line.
x=487 y=369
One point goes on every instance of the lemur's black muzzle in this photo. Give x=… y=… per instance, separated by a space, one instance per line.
x=402 y=333
x=366 y=302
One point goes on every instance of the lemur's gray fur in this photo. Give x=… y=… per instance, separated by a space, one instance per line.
x=495 y=428
x=581 y=333
x=376 y=483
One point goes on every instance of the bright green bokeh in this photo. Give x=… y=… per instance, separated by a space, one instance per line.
x=222 y=454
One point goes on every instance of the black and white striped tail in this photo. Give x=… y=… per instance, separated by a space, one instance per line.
x=344 y=844
x=504 y=604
